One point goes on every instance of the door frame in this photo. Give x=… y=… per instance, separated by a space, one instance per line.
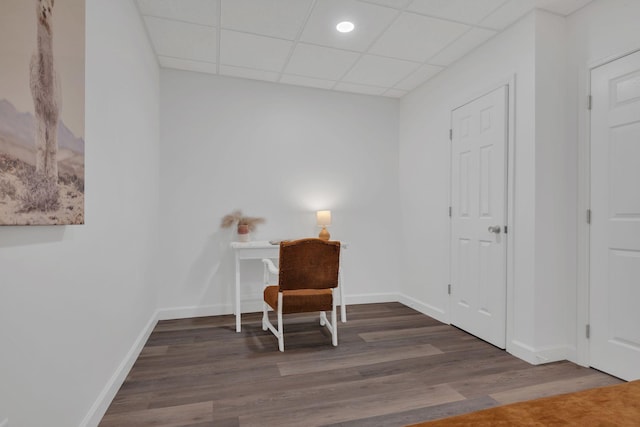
x=509 y=82
x=583 y=233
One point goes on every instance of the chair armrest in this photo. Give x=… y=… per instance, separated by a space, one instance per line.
x=270 y=266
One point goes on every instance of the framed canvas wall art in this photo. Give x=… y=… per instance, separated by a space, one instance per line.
x=42 y=143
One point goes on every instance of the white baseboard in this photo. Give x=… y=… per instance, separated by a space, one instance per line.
x=250 y=304
x=537 y=356
x=194 y=311
x=572 y=356
x=370 y=298
x=254 y=304
x=104 y=399
x=424 y=308
x=419 y=306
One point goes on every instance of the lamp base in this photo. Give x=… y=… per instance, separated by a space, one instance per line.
x=324 y=234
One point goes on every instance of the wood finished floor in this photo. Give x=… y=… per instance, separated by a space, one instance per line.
x=393 y=366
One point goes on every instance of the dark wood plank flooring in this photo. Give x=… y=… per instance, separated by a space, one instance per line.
x=393 y=366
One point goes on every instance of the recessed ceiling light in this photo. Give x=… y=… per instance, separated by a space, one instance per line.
x=345 y=27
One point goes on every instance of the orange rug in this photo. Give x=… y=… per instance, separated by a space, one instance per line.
x=617 y=405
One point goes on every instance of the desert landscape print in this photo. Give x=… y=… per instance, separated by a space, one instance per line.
x=42 y=112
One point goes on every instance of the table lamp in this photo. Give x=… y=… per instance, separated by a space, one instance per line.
x=324 y=219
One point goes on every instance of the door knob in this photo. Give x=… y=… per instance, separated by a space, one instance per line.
x=495 y=229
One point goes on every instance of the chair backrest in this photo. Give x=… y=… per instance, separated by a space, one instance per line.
x=309 y=264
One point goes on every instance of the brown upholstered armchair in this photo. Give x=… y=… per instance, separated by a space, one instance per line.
x=307 y=277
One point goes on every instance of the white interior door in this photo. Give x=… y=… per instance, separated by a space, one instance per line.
x=478 y=216
x=614 y=292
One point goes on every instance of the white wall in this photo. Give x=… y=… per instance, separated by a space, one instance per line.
x=554 y=207
x=532 y=54
x=424 y=167
x=74 y=299
x=602 y=31
x=278 y=152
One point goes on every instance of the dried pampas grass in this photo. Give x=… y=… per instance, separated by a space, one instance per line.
x=236 y=217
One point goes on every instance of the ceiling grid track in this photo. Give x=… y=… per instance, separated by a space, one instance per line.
x=397 y=44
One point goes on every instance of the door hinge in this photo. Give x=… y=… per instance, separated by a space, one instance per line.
x=449 y=288
x=450 y=211
x=588 y=216
x=450 y=134
x=589 y=102
x=588 y=331
x=505 y=229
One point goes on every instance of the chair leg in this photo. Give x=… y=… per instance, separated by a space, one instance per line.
x=334 y=331
x=265 y=316
x=280 y=327
x=266 y=323
x=334 y=323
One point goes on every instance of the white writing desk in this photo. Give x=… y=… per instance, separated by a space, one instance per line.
x=264 y=249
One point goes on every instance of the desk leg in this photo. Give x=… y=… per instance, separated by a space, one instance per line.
x=343 y=305
x=237 y=296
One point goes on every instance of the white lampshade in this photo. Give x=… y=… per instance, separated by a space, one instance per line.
x=323 y=218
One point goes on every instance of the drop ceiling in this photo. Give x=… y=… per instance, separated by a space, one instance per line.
x=396 y=45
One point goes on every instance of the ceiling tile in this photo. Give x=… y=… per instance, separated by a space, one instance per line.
x=306 y=81
x=395 y=93
x=320 y=62
x=416 y=37
x=274 y=18
x=418 y=77
x=370 y=20
x=248 y=73
x=185 y=64
x=467 y=11
x=204 y=12
x=378 y=71
x=465 y=44
x=182 y=40
x=251 y=51
x=362 y=89
x=398 y=4
x=396 y=46
x=507 y=14
x=562 y=7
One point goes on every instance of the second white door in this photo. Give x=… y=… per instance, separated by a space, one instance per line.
x=478 y=216
x=615 y=226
